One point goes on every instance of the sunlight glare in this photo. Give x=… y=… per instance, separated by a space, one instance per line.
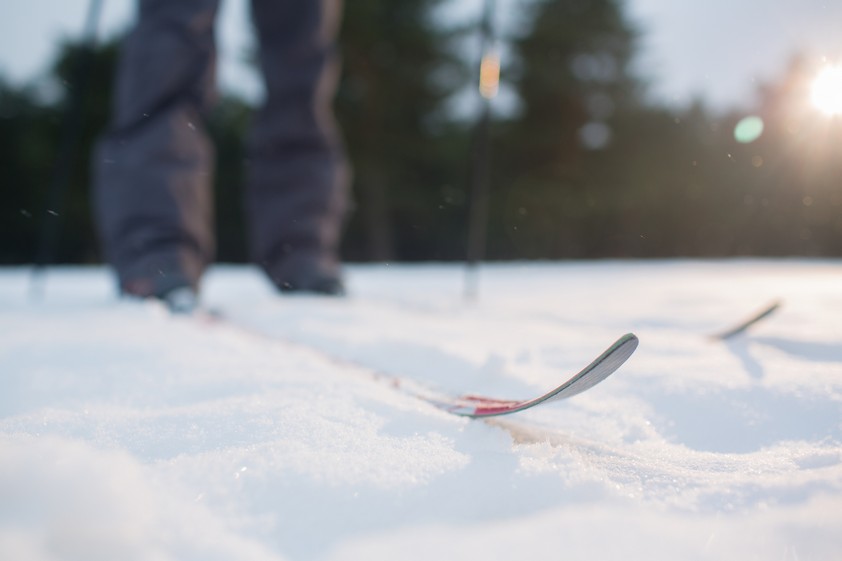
x=489 y=74
x=826 y=92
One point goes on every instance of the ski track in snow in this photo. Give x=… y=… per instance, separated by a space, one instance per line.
x=126 y=433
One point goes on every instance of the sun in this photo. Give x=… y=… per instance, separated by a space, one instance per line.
x=826 y=93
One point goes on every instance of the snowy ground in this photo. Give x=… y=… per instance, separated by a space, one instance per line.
x=129 y=434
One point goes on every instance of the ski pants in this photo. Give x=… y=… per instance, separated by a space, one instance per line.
x=153 y=167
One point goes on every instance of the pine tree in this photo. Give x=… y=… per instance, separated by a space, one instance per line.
x=32 y=126
x=572 y=75
x=397 y=71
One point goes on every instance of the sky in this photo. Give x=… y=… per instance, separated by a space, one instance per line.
x=718 y=50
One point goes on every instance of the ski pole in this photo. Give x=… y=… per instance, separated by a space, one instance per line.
x=68 y=148
x=489 y=74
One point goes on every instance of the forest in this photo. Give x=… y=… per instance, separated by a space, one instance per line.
x=584 y=166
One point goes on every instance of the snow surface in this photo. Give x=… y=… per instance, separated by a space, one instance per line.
x=126 y=433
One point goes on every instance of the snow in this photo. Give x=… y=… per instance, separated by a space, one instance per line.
x=126 y=433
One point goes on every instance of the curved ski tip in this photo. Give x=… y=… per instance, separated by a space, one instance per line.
x=616 y=354
x=747 y=323
x=629 y=339
x=623 y=348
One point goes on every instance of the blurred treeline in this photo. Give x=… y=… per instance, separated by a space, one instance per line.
x=583 y=165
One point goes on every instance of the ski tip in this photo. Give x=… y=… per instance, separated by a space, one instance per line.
x=628 y=342
x=630 y=338
x=598 y=370
x=743 y=326
x=618 y=353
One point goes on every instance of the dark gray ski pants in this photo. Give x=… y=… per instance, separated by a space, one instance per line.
x=153 y=166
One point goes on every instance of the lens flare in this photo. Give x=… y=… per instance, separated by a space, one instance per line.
x=748 y=129
x=826 y=93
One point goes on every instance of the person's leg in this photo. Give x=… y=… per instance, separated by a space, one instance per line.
x=297 y=178
x=152 y=167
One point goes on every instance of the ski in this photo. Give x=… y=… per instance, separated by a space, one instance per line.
x=474 y=406
x=763 y=313
x=604 y=365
